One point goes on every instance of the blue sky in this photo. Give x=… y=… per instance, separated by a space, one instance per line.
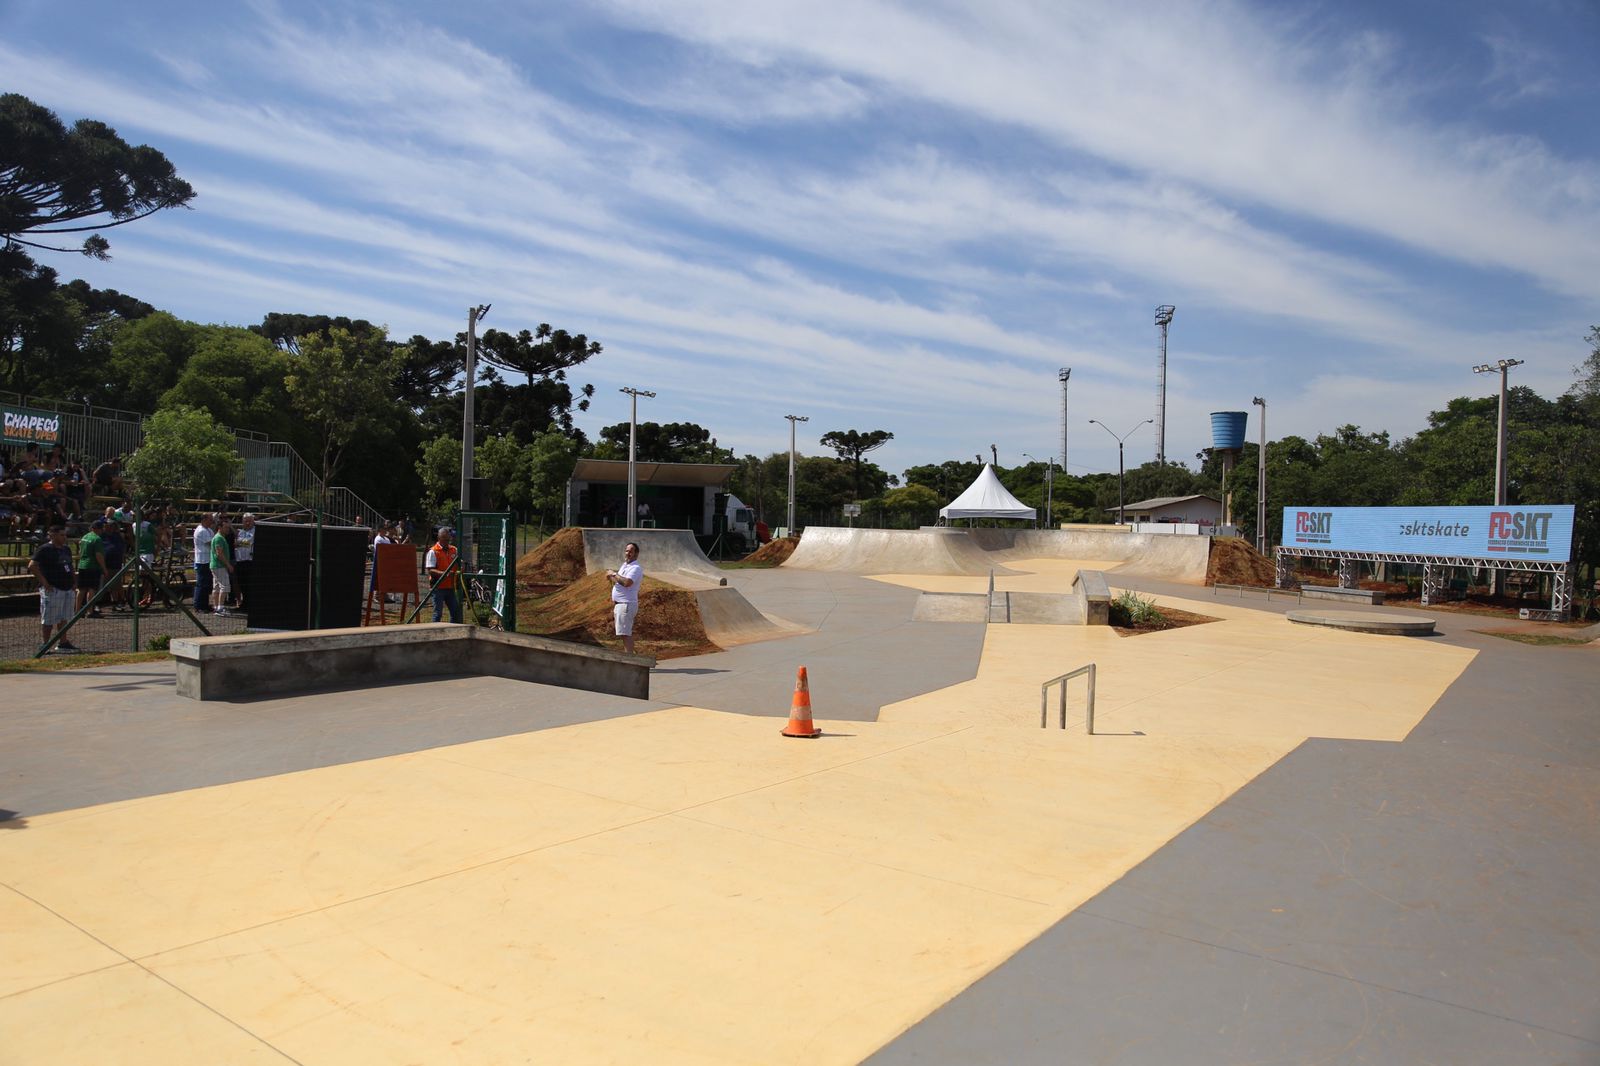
x=901 y=216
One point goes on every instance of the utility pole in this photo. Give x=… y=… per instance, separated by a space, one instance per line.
x=1049 y=479
x=474 y=316
x=1119 y=440
x=1163 y=319
x=633 y=446
x=1064 y=375
x=1261 y=480
x=792 y=420
x=1502 y=366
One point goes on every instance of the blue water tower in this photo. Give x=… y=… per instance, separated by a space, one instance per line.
x=1227 y=430
x=1227 y=439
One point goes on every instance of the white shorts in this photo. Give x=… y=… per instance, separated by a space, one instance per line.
x=624 y=614
x=55 y=606
x=221 y=584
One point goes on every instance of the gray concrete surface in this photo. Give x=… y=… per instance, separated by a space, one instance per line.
x=1431 y=901
x=863 y=650
x=78 y=738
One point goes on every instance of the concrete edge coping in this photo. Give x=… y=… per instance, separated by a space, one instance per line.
x=1094 y=583
x=260 y=645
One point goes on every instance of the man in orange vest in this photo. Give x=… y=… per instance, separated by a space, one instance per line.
x=438 y=562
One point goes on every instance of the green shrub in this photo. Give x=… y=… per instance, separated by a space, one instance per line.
x=163 y=642
x=1131 y=609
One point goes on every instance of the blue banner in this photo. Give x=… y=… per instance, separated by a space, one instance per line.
x=1536 y=531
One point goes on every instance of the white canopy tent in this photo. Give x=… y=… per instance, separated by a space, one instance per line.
x=987 y=498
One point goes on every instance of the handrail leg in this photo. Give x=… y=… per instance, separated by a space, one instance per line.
x=1063 y=705
x=1044 y=707
x=1089 y=713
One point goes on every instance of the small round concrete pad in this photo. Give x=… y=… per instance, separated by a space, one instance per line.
x=1397 y=625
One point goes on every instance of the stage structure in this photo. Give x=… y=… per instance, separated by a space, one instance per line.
x=1526 y=538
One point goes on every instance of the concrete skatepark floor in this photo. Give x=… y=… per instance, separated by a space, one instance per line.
x=1287 y=845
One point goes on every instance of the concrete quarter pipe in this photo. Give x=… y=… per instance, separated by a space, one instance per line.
x=979 y=550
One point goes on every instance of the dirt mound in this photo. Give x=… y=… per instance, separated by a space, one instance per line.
x=558 y=561
x=668 y=625
x=1234 y=562
x=774 y=552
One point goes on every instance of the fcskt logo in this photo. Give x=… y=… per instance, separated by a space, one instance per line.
x=1312 y=527
x=1521 y=531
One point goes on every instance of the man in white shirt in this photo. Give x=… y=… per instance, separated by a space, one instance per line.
x=202 y=562
x=244 y=555
x=625 y=582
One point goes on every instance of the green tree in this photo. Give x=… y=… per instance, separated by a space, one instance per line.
x=184 y=452
x=239 y=378
x=39 y=325
x=675 y=442
x=341 y=384
x=545 y=467
x=912 y=505
x=147 y=358
x=55 y=180
x=852 y=444
x=544 y=353
x=439 y=468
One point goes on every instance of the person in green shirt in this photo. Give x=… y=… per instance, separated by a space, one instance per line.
x=221 y=567
x=91 y=564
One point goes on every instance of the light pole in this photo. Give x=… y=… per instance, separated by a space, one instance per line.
x=1502 y=365
x=1049 y=480
x=1119 y=440
x=792 y=420
x=633 y=441
x=474 y=316
x=1163 y=320
x=1261 y=480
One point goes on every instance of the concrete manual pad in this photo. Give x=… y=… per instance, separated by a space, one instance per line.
x=1386 y=623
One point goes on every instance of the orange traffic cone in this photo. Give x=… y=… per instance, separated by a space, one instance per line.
x=800 y=723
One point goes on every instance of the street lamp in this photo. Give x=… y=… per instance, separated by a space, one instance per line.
x=474 y=316
x=1502 y=366
x=1119 y=440
x=1261 y=480
x=1049 y=483
x=633 y=435
x=792 y=420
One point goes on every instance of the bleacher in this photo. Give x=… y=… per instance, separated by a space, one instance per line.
x=276 y=483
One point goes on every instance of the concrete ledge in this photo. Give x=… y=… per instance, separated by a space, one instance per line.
x=1094 y=594
x=274 y=664
x=1395 y=625
x=1327 y=592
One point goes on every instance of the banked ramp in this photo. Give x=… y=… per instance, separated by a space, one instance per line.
x=1170 y=557
x=892 y=551
x=670 y=555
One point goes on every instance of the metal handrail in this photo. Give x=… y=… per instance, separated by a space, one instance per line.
x=1044 y=698
x=1242 y=589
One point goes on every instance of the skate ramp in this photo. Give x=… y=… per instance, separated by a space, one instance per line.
x=731 y=620
x=892 y=551
x=670 y=555
x=935 y=550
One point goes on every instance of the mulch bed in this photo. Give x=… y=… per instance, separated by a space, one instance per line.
x=774 y=552
x=1172 y=619
x=1234 y=561
x=668 y=625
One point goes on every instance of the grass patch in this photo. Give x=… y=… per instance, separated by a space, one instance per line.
x=1130 y=610
x=54 y=662
x=1540 y=640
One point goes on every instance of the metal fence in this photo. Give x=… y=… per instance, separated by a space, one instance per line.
x=95 y=434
